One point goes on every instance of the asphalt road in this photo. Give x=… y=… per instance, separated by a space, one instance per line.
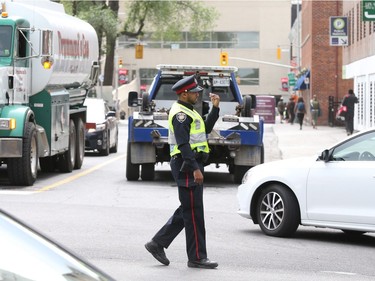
x=99 y=215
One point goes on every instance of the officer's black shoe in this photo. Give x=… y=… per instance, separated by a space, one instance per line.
x=157 y=251
x=203 y=263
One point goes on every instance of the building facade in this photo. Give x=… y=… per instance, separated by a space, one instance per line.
x=359 y=62
x=323 y=61
x=249 y=31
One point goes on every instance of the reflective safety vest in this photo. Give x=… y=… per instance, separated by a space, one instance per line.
x=198 y=139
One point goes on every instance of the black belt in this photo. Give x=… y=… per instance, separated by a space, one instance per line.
x=176 y=156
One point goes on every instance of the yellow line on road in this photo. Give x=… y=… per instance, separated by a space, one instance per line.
x=84 y=173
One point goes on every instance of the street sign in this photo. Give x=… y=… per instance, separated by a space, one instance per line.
x=291 y=79
x=338 y=30
x=368 y=10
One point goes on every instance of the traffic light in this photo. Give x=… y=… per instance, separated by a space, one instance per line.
x=224 y=58
x=120 y=62
x=139 y=51
x=278 y=53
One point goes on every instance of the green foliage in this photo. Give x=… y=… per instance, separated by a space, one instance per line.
x=102 y=19
x=166 y=19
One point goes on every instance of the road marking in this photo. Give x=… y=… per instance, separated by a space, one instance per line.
x=64 y=181
x=340 y=272
x=15 y=192
x=84 y=173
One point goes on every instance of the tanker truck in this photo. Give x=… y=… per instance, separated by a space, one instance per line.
x=48 y=63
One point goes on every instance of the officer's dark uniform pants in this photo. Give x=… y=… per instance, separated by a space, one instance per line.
x=189 y=215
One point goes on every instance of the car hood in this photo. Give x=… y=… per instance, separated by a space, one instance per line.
x=290 y=171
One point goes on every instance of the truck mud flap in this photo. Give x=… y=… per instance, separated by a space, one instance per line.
x=143 y=153
x=248 y=156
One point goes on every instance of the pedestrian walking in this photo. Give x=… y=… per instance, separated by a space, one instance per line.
x=315 y=111
x=290 y=107
x=349 y=101
x=189 y=151
x=281 y=109
x=300 y=111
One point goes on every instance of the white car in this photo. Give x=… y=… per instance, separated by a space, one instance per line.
x=334 y=190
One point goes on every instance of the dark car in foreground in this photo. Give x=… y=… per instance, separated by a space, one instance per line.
x=101 y=127
x=28 y=255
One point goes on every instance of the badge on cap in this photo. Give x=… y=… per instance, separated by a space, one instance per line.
x=181 y=117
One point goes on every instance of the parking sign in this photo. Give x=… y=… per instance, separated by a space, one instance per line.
x=338 y=29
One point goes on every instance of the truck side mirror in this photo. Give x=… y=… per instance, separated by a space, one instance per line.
x=94 y=72
x=47 y=43
x=133 y=99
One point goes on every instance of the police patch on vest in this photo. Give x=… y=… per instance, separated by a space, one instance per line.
x=181 y=117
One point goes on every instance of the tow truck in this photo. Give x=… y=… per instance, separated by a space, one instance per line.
x=236 y=139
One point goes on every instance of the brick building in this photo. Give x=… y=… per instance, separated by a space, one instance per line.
x=323 y=61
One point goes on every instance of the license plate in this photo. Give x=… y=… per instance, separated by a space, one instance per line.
x=221 y=82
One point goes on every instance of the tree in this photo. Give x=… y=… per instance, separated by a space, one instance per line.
x=164 y=19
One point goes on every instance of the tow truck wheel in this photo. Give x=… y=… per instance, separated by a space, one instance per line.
x=80 y=151
x=148 y=171
x=132 y=170
x=24 y=170
x=67 y=160
x=239 y=172
x=247 y=102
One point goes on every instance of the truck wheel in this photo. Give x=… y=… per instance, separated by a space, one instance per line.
x=48 y=164
x=247 y=102
x=67 y=160
x=132 y=170
x=239 y=172
x=105 y=151
x=24 y=170
x=80 y=151
x=148 y=171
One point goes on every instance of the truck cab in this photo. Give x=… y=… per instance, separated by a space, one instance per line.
x=236 y=140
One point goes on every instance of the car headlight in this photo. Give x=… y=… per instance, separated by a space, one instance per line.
x=246 y=176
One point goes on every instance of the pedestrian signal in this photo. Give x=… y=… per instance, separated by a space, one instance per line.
x=224 y=58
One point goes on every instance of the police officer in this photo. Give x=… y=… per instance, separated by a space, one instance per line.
x=189 y=150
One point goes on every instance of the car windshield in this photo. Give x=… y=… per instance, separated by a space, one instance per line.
x=218 y=85
x=361 y=148
x=5 y=35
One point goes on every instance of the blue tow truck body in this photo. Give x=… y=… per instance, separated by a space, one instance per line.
x=237 y=137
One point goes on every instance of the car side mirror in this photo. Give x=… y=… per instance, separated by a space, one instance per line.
x=325 y=155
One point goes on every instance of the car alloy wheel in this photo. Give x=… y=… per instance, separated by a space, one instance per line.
x=278 y=211
x=272 y=210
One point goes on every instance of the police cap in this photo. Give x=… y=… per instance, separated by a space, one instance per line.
x=187 y=84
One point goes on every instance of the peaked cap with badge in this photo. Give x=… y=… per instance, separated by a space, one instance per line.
x=187 y=84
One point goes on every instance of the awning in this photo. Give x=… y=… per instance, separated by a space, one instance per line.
x=300 y=84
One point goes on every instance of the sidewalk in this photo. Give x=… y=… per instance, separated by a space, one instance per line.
x=283 y=141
